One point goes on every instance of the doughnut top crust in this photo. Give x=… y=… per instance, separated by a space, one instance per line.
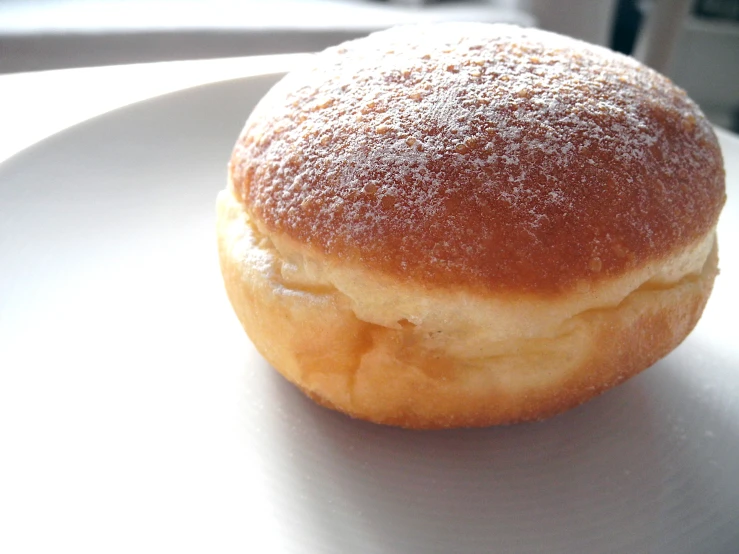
x=492 y=157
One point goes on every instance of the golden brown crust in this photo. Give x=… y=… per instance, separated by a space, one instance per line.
x=488 y=157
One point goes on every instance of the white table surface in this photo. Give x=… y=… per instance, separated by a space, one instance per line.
x=44 y=34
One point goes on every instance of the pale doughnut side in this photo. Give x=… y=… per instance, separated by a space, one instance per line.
x=431 y=375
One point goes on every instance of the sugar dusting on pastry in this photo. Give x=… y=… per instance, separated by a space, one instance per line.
x=494 y=137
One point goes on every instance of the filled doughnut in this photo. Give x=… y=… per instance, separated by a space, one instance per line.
x=466 y=224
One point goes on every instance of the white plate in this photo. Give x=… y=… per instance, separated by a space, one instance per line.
x=136 y=417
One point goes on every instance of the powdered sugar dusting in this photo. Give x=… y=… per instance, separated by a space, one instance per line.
x=481 y=154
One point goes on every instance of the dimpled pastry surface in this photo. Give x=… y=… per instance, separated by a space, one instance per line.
x=490 y=156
